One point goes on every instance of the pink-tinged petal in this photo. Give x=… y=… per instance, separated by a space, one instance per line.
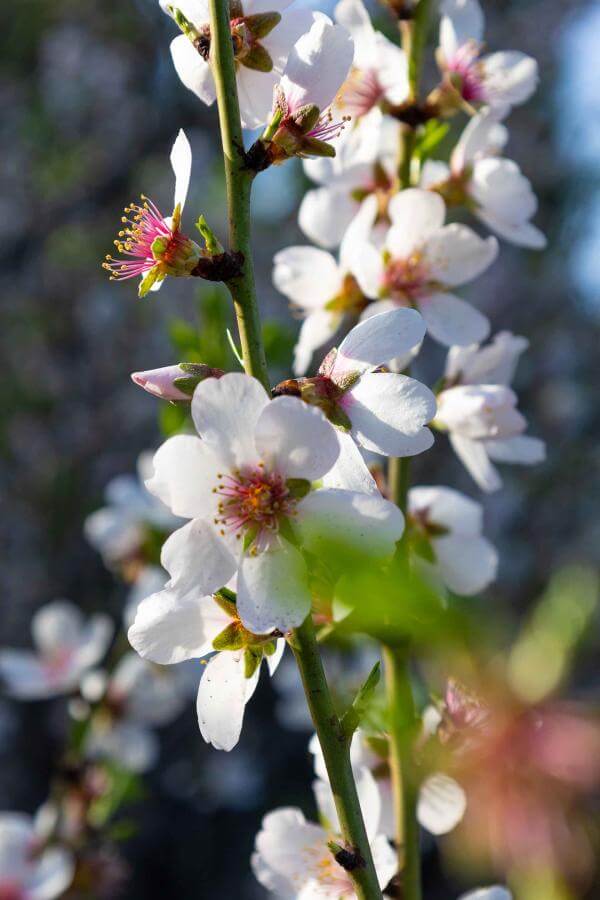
x=456 y=255
x=24 y=677
x=476 y=461
x=185 y=472
x=222 y=697
x=273 y=589
x=451 y=320
x=377 y=340
x=415 y=215
x=181 y=163
x=441 y=805
x=467 y=564
x=295 y=439
x=159 y=382
x=462 y=21
x=198 y=560
x=193 y=70
x=388 y=414
x=317 y=65
x=225 y=412
x=365 y=523
x=287 y=856
x=168 y=629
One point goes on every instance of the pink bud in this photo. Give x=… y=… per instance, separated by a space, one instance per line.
x=159 y=382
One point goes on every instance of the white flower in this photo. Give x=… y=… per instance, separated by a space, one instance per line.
x=247 y=486
x=496 y=892
x=383 y=411
x=67 y=645
x=365 y=162
x=501 y=80
x=263 y=34
x=451 y=526
x=379 y=70
x=119 y=529
x=420 y=261
x=493 y=188
x=479 y=411
x=149 y=580
x=441 y=803
x=169 y=629
x=292 y=859
x=26 y=870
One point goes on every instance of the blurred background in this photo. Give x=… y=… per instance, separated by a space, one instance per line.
x=90 y=107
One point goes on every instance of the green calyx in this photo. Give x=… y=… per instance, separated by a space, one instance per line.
x=262 y=24
x=257 y=58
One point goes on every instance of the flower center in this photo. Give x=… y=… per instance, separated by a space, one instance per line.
x=465 y=64
x=360 y=92
x=144 y=225
x=406 y=279
x=253 y=503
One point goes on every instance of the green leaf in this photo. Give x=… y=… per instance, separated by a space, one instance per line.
x=353 y=715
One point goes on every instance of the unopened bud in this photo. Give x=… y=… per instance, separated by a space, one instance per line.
x=174 y=383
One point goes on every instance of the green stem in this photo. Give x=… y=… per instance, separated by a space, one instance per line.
x=239 y=186
x=336 y=752
x=402 y=727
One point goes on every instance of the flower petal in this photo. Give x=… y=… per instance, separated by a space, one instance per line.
x=194 y=72
x=197 y=559
x=467 y=564
x=307 y=275
x=456 y=255
x=462 y=21
x=379 y=339
x=350 y=471
x=522 y=449
x=416 y=215
x=51 y=875
x=451 y=320
x=296 y=439
x=325 y=214
x=449 y=508
x=441 y=805
x=317 y=329
x=222 y=697
x=273 y=589
x=317 y=65
x=185 y=472
x=181 y=163
x=476 y=461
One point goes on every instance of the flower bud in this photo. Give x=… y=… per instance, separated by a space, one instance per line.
x=175 y=383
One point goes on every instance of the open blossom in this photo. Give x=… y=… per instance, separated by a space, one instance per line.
x=292 y=857
x=500 y=80
x=119 y=529
x=66 y=646
x=322 y=289
x=383 y=411
x=420 y=261
x=493 y=188
x=247 y=486
x=151 y=245
x=304 y=125
x=262 y=33
x=441 y=803
x=446 y=534
x=28 y=869
x=478 y=410
x=365 y=163
x=379 y=69
x=169 y=628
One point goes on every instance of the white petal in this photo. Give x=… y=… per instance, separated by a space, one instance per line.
x=51 y=876
x=433 y=171
x=197 y=559
x=255 y=91
x=24 y=676
x=275 y=658
x=225 y=412
x=392 y=69
x=365 y=522
x=467 y=564
x=448 y=508
x=388 y=412
x=273 y=589
x=483 y=136
x=488 y=893
x=193 y=70
x=462 y=20
x=222 y=698
x=251 y=7
x=368 y=796
x=475 y=459
x=350 y=471
x=492 y=364
x=451 y=320
x=288 y=851
x=292 y=26
x=522 y=234
x=57 y=626
x=415 y=215
x=522 y=449
x=168 y=629
x=317 y=65
x=509 y=77
x=181 y=163
x=130 y=744
x=441 y=805
x=379 y=339
x=317 y=329
x=325 y=214
x=353 y=15
x=296 y=439
x=307 y=275
x=385 y=860
x=184 y=474
x=456 y=255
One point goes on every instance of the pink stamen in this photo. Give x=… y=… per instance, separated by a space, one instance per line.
x=326 y=129
x=406 y=279
x=145 y=224
x=465 y=63
x=253 y=501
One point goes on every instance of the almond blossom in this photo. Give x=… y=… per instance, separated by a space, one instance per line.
x=383 y=411
x=500 y=80
x=491 y=187
x=246 y=484
x=28 y=869
x=292 y=857
x=66 y=646
x=478 y=409
x=420 y=261
x=262 y=32
x=379 y=69
x=446 y=535
x=168 y=629
x=151 y=245
x=174 y=383
x=365 y=163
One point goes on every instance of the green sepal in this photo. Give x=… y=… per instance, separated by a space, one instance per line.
x=149 y=280
x=422 y=547
x=307 y=117
x=262 y=24
x=298 y=487
x=338 y=417
x=270 y=648
x=159 y=245
x=252 y=660
x=186 y=384
x=257 y=59
x=211 y=242
x=227 y=600
x=315 y=147
x=184 y=23
x=231 y=638
x=249 y=538
x=351 y=718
